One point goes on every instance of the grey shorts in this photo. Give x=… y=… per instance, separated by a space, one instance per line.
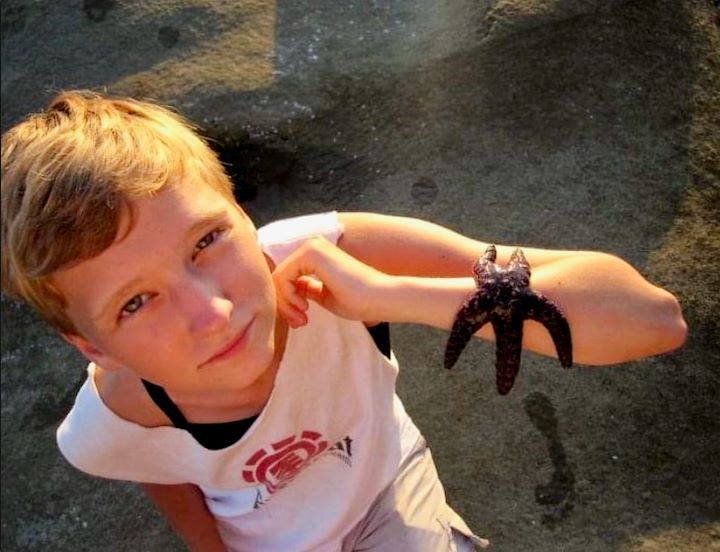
x=412 y=515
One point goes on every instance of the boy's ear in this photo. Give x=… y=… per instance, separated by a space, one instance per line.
x=90 y=352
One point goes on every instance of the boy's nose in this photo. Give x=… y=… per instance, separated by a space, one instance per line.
x=206 y=309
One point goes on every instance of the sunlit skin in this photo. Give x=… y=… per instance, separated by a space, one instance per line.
x=184 y=298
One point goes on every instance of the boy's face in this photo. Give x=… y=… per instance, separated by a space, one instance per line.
x=183 y=299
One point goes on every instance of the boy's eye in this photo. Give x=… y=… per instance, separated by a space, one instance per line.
x=134 y=305
x=206 y=240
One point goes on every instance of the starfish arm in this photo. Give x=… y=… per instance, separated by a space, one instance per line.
x=470 y=318
x=519 y=262
x=508 y=349
x=543 y=310
x=490 y=254
x=485 y=267
x=519 y=269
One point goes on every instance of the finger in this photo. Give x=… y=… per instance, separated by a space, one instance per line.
x=294 y=317
x=290 y=303
x=298 y=319
x=298 y=296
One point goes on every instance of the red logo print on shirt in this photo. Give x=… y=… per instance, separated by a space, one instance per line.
x=275 y=468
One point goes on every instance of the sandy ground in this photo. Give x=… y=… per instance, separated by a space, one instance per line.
x=575 y=124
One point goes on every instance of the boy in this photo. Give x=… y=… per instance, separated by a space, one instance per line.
x=241 y=376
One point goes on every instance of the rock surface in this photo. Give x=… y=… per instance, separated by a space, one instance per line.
x=558 y=123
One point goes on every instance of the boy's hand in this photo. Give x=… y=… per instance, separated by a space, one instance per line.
x=324 y=273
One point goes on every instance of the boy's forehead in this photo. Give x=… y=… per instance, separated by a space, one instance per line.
x=181 y=200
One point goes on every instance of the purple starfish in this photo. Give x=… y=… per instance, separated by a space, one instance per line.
x=505 y=299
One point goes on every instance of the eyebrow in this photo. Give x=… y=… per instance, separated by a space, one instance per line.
x=114 y=299
x=117 y=296
x=208 y=220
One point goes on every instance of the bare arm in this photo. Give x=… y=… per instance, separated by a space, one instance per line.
x=185 y=509
x=614 y=313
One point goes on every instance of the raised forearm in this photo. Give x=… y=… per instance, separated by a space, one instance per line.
x=614 y=314
x=185 y=509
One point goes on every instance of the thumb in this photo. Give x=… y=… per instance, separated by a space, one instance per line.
x=311 y=288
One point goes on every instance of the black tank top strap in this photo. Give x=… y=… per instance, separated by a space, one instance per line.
x=165 y=403
x=380 y=334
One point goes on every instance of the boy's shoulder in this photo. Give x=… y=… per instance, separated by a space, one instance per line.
x=124 y=394
x=280 y=238
x=118 y=442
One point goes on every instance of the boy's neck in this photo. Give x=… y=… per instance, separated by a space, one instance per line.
x=230 y=406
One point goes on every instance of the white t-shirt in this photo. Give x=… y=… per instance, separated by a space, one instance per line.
x=329 y=440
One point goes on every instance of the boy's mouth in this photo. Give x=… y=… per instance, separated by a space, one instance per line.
x=232 y=347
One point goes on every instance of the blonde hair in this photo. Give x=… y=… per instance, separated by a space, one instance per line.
x=70 y=172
